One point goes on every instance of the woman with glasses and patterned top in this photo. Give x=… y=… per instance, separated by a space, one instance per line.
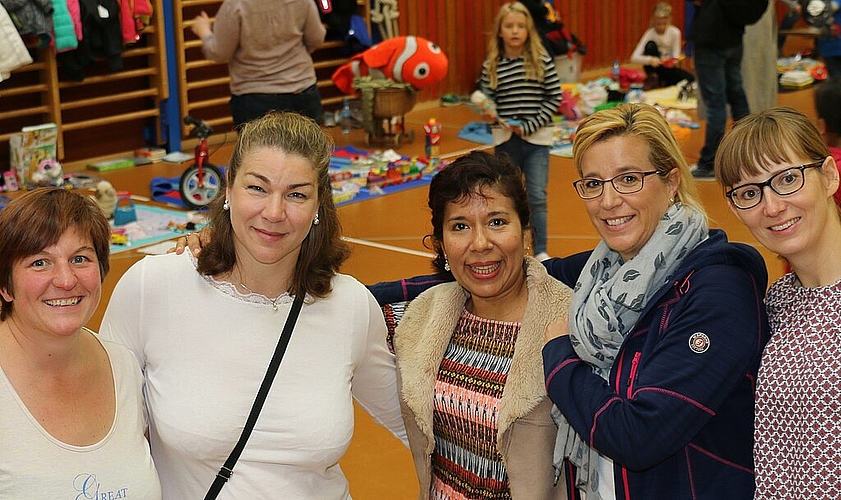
x=780 y=180
x=654 y=370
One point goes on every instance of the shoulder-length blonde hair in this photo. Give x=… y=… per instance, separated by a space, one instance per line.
x=322 y=251
x=645 y=122
x=533 y=52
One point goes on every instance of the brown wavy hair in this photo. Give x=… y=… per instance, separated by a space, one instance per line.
x=322 y=251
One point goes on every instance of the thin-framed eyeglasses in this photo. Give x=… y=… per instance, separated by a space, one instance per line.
x=784 y=183
x=624 y=183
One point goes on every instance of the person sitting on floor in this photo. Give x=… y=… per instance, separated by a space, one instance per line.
x=659 y=49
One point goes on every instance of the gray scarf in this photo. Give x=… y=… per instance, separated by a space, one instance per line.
x=608 y=298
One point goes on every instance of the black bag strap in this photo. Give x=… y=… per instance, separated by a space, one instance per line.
x=228 y=468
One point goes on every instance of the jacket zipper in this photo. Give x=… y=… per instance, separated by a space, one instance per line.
x=634 y=365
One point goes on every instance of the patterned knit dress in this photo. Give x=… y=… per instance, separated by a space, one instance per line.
x=798 y=398
x=465 y=462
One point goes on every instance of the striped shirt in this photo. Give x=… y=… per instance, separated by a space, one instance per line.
x=530 y=102
x=466 y=463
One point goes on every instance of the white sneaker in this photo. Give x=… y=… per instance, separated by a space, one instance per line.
x=542 y=256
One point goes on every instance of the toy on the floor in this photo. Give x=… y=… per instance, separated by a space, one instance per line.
x=433 y=137
x=201 y=181
x=387 y=77
x=48 y=173
x=567 y=107
x=384 y=104
x=11 y=181
x=106 y=198
x=124 y=211
x=404 y=59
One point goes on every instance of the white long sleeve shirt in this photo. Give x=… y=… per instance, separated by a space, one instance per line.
x=204 y=349
x=669 y=44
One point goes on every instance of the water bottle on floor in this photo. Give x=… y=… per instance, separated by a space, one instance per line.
x=344 y=117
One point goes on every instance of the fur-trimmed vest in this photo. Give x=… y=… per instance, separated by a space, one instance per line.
x=526 y=435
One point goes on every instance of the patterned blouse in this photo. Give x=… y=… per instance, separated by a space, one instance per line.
x=466 y=463
x=798 y=398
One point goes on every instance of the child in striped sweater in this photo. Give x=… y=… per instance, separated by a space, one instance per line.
x=519 y=78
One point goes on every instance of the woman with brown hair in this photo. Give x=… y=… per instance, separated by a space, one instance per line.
x=71 y=406
x=204 y=329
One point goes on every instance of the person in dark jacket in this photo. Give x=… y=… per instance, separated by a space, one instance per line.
x=654 y=371
x=716 y=35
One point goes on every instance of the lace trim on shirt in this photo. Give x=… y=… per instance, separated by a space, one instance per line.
x=229 y=288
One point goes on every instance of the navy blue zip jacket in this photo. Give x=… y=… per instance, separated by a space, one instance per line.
x=676 y=415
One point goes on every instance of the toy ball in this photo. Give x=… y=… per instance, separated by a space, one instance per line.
x=403 y=59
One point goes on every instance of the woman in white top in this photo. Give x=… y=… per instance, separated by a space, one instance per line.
x=204 y=329
x=71 y=409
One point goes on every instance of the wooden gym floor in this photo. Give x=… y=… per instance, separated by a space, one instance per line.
x=386 y=235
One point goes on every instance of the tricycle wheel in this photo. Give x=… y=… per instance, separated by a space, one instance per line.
x=199 y=193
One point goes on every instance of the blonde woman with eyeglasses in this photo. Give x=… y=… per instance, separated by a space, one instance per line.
x=654 y=372
x=780 y=179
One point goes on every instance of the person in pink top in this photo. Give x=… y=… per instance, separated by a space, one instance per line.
x=780 y=179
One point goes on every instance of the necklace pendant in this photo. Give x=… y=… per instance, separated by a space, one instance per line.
x=274 y=306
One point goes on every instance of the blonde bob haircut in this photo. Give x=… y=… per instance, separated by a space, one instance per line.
x=773 y=136
x=645 y=122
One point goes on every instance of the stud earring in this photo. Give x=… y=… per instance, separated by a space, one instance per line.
x=672 y=199
x=446 y=264
x=226 y=205
x=316 y=220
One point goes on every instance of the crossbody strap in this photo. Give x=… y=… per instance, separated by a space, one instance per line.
x=228 y=469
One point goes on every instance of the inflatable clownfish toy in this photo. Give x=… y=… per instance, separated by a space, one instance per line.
x=404 y=59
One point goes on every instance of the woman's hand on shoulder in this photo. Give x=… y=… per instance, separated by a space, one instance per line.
x=193 y=240
x=558 y=328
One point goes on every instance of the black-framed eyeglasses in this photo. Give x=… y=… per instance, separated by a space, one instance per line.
x=784 y=183
x=624 y=183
